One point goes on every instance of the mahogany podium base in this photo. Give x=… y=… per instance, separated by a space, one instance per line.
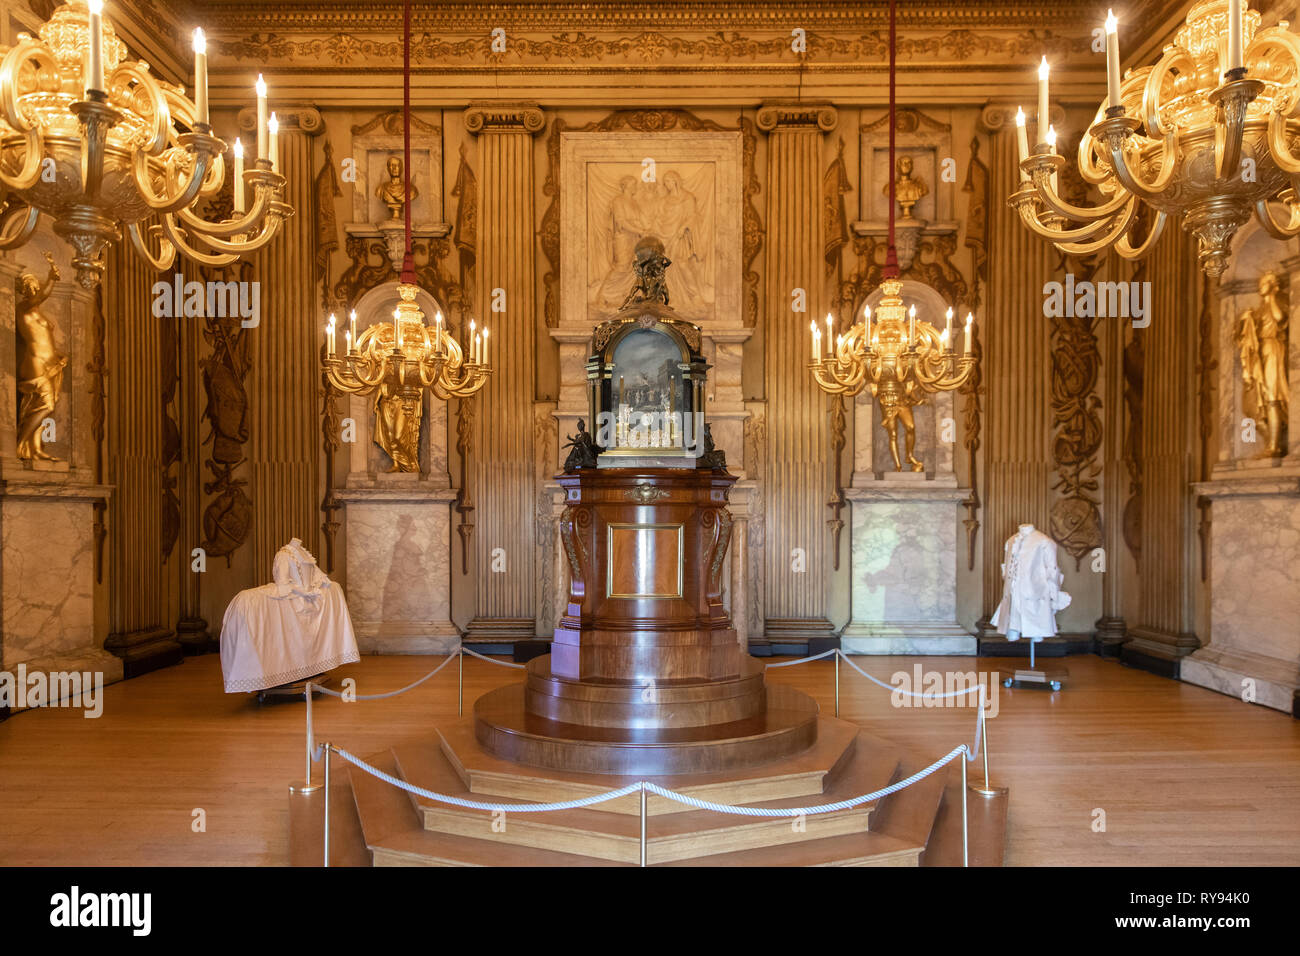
x=612 y=727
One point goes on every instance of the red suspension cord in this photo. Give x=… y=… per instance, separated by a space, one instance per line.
x=408 y=260
x=891 y=254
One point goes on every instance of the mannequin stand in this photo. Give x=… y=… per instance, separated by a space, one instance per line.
x=1032 y=677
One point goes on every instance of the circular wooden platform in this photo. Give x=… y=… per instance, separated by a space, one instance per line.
x=776 y=722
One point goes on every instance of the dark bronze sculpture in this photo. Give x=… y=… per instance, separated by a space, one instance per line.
x=649 y=266
x=584 y=450
x=713 y=458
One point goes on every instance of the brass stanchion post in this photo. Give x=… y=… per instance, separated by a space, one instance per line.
x=965 y=834
x=327 y=803
x=460 y=680
x=643 y=826
x=307 y=786
x=837 y=682
x=987 y=790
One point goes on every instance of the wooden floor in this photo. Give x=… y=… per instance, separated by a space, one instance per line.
x=1183 y=775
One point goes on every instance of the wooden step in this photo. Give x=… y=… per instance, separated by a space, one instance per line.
x=395 y=836
x=616 y=837
x=804 y=775
x=852 y=849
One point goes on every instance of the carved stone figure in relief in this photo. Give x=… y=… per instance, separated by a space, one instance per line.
x=1262 y=339
x=40 y=364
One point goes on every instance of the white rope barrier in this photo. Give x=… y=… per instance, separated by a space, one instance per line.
x=392 y=693
x=805 y=660
x=482 y=657
x=744 y=811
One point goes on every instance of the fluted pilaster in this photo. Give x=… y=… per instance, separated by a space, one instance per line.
x=284 y=379
x=502 y=462
x=796 y=469
x=1017 y=367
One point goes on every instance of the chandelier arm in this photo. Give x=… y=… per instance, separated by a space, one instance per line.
x=1075 y=213
x=1122 y=226
x=1278 y=231
x=1278 y=146
x=249 y=222
x=30 y=171
x=270 y=226
x=1169 y=156
x=1126 y=249
x=475 y=381
x=1174 y=58
x=1029 y=216
x=435 y=368
x=336 y=370
x=119 y=89
x=25 y=49
x=190 y=191
x=166 y=250
x=14 y=239
x=179 y=240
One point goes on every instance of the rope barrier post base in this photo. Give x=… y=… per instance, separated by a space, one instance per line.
x=986 y=790
x=460 y=681
x=965 y=820
x=327 y=750
x=307 y=786
x=642 y=826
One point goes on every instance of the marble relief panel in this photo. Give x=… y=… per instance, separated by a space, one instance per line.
x=904 y=555
x=682 y=188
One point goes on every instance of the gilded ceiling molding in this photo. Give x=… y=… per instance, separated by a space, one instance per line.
x=474 y=53
x=469 y=16
x=488 y=117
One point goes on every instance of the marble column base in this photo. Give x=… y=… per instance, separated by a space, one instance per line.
x=904 y=637
x=91 y=660
x=399 y=567
x=1276 y=682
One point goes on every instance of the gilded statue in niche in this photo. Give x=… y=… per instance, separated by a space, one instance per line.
x=40 y=364
x=397 y=427
x=393 y=193
x=908 y=189
x=896 y=399
x=1262 y=339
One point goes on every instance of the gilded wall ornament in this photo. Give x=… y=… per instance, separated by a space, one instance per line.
x=1261 y=339
x=40 y=363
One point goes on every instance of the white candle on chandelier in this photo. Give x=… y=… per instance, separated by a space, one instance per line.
x=472 y=339
x=1235 y=30
x=945 y=337
x=1112 y=59
x=329 y=331
x=911 y=326
x=969 y=319
x=273 y=129
x=1022 y=141
x=260 y=86
x=478 y=349
x=95 y=71
x=1051 y=147
x=1043 y=71
x=353 y=319
x=437 y=331
x=200 y=77
x=237 y=181
x=812 y=328
x=397 y=329
x=866 y=324
x=347 y=340
x=947 y=329
x=829 y=334
x=485 y=345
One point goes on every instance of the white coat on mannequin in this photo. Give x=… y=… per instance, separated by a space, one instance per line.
x=1031 y=588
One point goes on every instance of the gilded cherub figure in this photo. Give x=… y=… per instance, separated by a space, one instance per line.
x=40 y=364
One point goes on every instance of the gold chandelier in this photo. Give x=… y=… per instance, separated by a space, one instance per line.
x=100 y=145
x=901 y=357
x=406 y=356
x=1207 y=134
x=400 y=360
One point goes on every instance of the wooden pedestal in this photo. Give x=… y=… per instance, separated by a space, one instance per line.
x=645 y=675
